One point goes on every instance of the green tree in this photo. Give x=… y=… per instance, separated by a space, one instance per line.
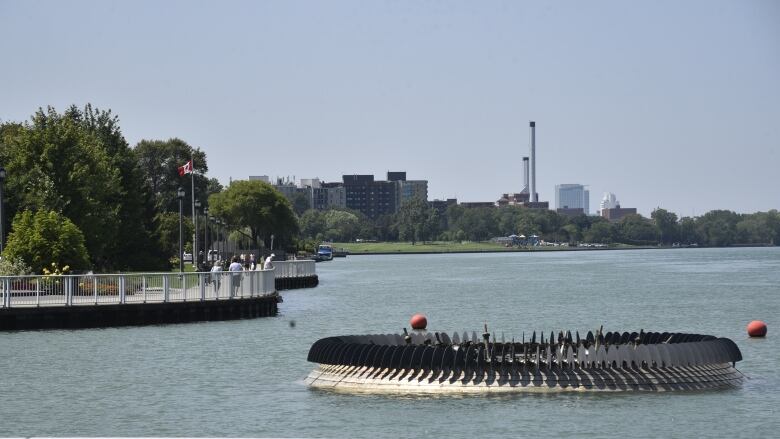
x=757 y=228
x=70 y=163
x=341 y=225
x=168 y=232
x=260 y=208
x=637 y=230
x=44 y=237
x=573 y=233
x=600 y=232
x=160 y=160
x=717 y=228
x=300 y=203
x=413 y=221
x=666 y=223
x=312 y=224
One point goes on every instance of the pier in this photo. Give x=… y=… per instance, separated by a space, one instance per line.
x=102 y=300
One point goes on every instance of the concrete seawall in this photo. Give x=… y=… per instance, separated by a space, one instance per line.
x=98 y=316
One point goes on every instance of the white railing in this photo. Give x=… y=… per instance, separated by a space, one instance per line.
x=303 y=268
x=99 y=289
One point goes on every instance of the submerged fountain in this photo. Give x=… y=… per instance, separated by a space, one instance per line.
x=435 y=362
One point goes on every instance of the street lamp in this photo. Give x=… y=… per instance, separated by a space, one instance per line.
x=206 y=242
x=180 y=196
x=272 y=242
x=2 y=217
x=195 y=254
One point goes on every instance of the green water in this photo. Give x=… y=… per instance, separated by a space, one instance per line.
x=244 y=378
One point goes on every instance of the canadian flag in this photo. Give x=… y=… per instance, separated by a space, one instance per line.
x=186 y=169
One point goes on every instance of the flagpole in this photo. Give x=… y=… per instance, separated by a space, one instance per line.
x=195 y=230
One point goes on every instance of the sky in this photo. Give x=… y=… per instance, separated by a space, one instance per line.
x=665 y=103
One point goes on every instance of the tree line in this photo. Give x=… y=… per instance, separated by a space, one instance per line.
x=78 y=196
x=418 y=221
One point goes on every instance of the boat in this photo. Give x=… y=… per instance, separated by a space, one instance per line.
x=325 y=252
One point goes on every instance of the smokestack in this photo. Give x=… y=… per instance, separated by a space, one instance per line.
x=525 y=175
x=534 y=198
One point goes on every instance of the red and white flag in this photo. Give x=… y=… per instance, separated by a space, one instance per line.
x=186 y=169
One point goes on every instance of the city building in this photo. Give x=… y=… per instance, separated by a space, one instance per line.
x=617 y=213
x=359 y=192
x=371 y=197
x=260 y=177
x=608 y=201
x=516 y=199
x=572 y=196
x=477 y=204
x=442 y=205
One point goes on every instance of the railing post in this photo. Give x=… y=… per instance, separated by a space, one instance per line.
x=122 y=295
x=95 y=288
x=252 y=284
x=166 y=287
x=68 y=292
x=7 y=293
x=37 y=291
x=183 y=285
x=230 y=284
x=202 y=280
x=143 y=286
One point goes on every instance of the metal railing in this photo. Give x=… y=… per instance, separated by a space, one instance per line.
x=302 y=268
x=102 y=289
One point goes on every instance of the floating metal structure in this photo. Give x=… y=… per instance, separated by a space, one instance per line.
x=436 y=362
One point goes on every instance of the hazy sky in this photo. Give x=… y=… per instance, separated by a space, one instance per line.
x=673 y=104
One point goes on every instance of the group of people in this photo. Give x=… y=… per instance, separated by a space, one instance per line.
x=237 y=266
x=245 y=263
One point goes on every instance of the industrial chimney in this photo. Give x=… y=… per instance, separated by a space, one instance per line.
x=525 y=175
x=534 y=197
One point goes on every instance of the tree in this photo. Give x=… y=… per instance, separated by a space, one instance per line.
x=46 y=237
x=637 y=230
x=341 y=225
x=168 y=232
x=259 y=207
x=600 y=232
x=312 y=224
x=300 y=203
x=413 y=217
x=159 y=161
x=718 y=228
x=666 y=222
x=72 y=163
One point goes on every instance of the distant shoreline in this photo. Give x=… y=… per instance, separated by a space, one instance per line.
x=538 y=250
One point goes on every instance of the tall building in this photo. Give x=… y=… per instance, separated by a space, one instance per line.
x=608 y=201
x=371 y=197
x=572 y=196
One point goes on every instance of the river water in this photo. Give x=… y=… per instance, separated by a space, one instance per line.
x=244 y=378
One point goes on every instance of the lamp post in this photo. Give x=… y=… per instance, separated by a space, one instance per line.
x=272 y=242
x=180 y=196
x=221 y=239
x=206 y=242
x=2 y=217
x=195 y=254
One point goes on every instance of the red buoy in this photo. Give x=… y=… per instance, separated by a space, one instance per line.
x=756 y=328
x=419 y=321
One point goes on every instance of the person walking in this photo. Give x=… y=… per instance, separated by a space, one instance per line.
x=236 y=270
x=268 y=265
x=216 y=276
